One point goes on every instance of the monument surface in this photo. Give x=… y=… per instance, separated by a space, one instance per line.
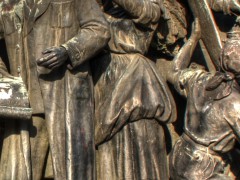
x=119 y=89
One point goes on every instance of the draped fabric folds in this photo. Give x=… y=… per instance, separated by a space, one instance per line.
x=132 y=101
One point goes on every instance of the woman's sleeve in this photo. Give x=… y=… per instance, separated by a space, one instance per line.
x=142 y=11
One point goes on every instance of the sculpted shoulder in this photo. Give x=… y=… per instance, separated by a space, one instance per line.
x=231 y=105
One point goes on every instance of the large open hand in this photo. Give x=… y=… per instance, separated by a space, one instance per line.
x=53 y=57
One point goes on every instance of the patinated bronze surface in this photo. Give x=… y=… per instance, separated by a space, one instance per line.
x=88 y=89
x=131 y=98
x=58 y=37
x=210 y=125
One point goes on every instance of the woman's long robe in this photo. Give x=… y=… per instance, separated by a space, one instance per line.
x=132 y=100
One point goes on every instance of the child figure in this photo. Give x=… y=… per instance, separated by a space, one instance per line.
x=211 y=125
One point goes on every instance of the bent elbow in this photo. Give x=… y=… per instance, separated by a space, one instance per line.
x=106 y=35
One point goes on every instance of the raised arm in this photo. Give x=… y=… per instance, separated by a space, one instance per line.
x=182 y=59
x=142 y=11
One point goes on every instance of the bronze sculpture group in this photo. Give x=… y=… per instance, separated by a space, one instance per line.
x=99 y=103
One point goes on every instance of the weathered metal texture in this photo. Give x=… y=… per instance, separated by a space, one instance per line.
x=210 y=35
x=14 y=103
x=35 y=33
x=211 y=123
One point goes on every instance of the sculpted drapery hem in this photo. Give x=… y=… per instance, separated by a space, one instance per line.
x=132 y=101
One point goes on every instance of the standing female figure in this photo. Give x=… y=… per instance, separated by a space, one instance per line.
x=132 y=101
